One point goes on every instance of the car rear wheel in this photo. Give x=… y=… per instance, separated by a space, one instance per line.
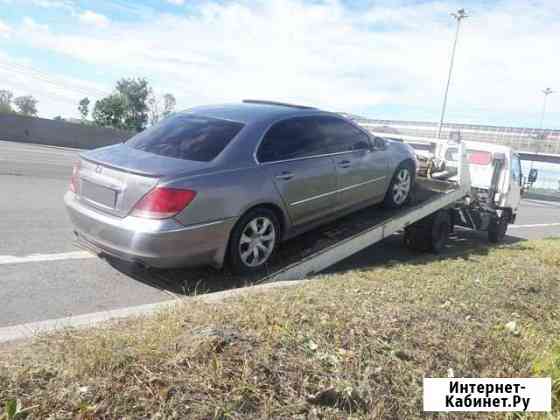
x=400 y=189
x=253 y=241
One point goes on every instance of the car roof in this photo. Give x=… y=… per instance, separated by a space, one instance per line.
x=254 y=111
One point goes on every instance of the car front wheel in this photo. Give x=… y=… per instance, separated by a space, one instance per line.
x=253 y=241
x=400 y=189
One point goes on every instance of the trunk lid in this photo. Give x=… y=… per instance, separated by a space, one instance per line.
x=113 y=179
x=135 y=161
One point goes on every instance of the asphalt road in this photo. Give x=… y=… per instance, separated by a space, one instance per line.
x=43 y=276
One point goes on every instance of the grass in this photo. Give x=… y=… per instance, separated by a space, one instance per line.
x=352 y=345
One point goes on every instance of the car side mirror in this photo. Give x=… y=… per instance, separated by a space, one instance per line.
x=533 y=175
x=377 y=143
x=362 y=145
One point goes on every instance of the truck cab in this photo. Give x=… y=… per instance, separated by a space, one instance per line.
x=496 y=180
x=495 y=172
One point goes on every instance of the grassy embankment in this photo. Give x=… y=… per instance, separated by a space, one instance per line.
x=355 y=344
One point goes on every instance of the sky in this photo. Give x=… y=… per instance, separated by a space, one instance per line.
x=386 y=59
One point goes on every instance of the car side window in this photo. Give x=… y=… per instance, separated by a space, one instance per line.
x=292 y=138
x=342 y=136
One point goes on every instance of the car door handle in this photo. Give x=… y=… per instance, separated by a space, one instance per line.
x=344 y=163
x=285 y=176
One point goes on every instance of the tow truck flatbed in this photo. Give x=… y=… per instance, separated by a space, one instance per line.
x=362 y=229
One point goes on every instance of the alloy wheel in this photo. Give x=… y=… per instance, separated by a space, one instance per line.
x=401 y=188
x=257 y=241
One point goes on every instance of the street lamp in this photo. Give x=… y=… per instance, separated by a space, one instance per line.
x=540 y=136
x=459 y=16
x=546 y=92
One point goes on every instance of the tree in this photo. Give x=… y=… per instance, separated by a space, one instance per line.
x=153 y=107
x=135 y=92
x=58 y=118
x=111 y=111
x=169 y=103
x=27 y=105
x=6 y=102
x=83 y=107
x=131 y=106
x=157 y=111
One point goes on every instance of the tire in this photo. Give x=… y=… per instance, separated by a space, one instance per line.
x=400 y=189
x=429 y=234
x=416 y=238
x=246 y=258
x=441 y=227
x=497 y=230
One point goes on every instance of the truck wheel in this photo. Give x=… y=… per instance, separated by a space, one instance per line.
x=429 y=234
x=253 y=241
x=497 y=230
x=416 y=238
x=441 y=227
x=399 y=192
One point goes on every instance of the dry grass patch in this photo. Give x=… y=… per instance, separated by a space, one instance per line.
x=351 y=345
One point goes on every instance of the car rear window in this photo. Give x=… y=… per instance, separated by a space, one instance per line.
x=188 y=137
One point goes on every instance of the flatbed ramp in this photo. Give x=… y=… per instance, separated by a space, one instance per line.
x=316 y=250
x=370 y=226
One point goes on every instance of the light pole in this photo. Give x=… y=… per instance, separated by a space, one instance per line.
x=459 y=16
x=546 y=92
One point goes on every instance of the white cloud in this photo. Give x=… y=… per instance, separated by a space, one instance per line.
x=91 y=18
x=176 y=2
x=55 y=4
x=57 y=95
x=30 y=25
x=5 y=30
x=325 y=54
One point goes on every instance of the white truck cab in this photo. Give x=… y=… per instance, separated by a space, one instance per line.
x=496 y=181
x=492 y=172
x=493 y=169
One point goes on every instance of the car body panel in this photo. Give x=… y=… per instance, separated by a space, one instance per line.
x=225 y=194
x=157 y=243
x=127 y=188
x=362 y=175
x=307 y=186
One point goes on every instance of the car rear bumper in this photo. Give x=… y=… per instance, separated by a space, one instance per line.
x=156 y=243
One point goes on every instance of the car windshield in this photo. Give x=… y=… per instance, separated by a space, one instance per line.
x=187 y=136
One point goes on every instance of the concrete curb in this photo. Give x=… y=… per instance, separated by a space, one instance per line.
x=29 y=330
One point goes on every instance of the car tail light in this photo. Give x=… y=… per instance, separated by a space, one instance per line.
x=75 y=179
x=161 y=203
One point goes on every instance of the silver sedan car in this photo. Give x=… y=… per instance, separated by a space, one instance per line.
x=228 y=183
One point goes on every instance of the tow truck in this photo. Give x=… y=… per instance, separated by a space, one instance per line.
x=444 y=197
